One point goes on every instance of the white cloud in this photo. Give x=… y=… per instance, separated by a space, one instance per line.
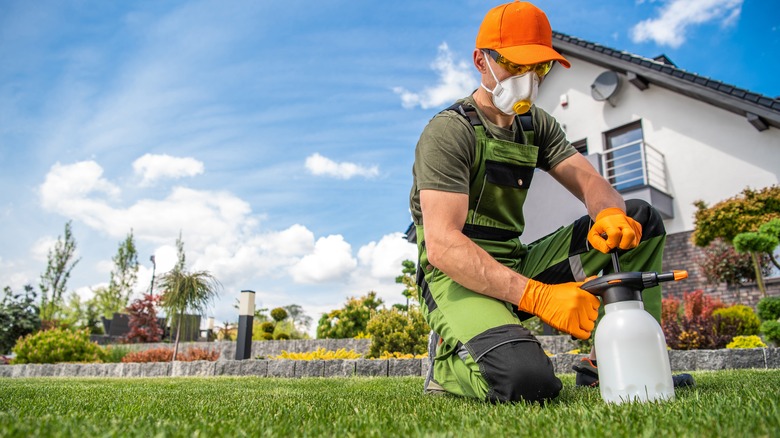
x=152 y=168
x=332 y=259
x=319 y=165
x=384 y=258
x=455 y=81
x=223 y=236
x=676 y=16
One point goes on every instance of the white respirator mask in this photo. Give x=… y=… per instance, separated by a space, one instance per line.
x=515 y=94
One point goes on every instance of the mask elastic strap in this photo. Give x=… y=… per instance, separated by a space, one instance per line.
x=484 y=53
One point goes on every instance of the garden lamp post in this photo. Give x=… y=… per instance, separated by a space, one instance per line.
x=246 y=314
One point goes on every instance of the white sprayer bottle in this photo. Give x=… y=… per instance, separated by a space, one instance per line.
x=633 y=362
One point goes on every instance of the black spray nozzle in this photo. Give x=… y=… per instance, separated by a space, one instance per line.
x=627 y=286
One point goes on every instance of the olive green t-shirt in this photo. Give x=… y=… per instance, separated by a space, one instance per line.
x=447 y=145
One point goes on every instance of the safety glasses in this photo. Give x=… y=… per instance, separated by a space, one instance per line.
x=541 y=69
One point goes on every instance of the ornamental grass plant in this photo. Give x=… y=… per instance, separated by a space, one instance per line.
x=722 y=404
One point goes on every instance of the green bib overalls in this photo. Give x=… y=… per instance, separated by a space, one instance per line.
x=486 y=353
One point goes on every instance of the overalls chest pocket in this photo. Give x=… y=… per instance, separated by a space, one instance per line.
x=510 y=165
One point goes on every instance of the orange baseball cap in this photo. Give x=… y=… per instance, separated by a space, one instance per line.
x=520 y=32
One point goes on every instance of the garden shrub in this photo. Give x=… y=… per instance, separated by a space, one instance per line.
x=737 y=320
x=265 y=336
x=164 y=354
x=281 y=336
x=395 y=331
x=161 y=354
x=771 y=331
x=58 y=345
x=769 y=308
x=143 y=320
x=18 y=317
x=319 y=354
x=115 y=353
x=397 y=355
x=693 y=326
x=751 y=341
x=267 y=327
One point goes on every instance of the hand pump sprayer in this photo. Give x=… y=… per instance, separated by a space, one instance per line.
x=633 y=361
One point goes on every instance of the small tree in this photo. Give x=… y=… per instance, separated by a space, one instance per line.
x=739 y=214
x=300 y=320
x=54 y=280
x=186 y=291
x=123 y=277
x=722 y=264
x=761 y=243
x=143 y=320
x=351 y=320
x=407 y=278
x=18 y=317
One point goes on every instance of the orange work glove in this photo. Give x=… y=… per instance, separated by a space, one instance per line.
x=564 y=307
x=622 y=231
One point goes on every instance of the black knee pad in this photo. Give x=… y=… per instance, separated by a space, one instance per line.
x=514 y=365
x=648 y=216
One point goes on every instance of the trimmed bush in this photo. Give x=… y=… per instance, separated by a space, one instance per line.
x=771 y=331
x=58 y=345
x=395 y=331
x=746 y=342
x=737 y=320
x=769 y=309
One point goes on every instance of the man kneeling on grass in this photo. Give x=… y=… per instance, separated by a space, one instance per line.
x=473 y=167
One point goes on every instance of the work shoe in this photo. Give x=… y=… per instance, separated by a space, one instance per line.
x=588 y=375
x=431 y=386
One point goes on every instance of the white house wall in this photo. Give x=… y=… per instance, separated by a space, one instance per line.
x=711 y=154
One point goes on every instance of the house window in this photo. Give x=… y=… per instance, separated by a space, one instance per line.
x=581 y=146
x=623 y=156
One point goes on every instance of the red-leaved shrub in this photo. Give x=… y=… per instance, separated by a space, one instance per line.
x=164 y=354
x=693 y=327
x=143 y=320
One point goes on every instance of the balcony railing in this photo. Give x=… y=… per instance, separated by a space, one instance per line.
x=635 y=164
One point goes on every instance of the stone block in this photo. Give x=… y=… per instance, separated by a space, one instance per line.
x=42 y=370
x=91 y=370
x=712 y=359
x=683 y=360
x=404 y=367
x=281 y=368
x=371 y=367
x=231 y=367
x=19 y=370
x=338 y=368
x=111 y=369
x=5 y=370
x=254 y=367
x=199 y=368
x=747 y=358
x=309 y=368
x=772 y=357
x=68 y=370
x=562 y=363
x=156 y=369
x=132 y=369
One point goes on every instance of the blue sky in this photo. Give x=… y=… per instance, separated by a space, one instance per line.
x=278 y=137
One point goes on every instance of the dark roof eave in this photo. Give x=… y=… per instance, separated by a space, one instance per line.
x=664 y=76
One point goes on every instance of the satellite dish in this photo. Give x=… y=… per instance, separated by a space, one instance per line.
x=605 y=87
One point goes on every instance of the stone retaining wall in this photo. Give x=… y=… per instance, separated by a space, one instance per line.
x=688 y=360
x=265 y=349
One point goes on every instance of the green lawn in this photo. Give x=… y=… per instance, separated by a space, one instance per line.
x=724 y=403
